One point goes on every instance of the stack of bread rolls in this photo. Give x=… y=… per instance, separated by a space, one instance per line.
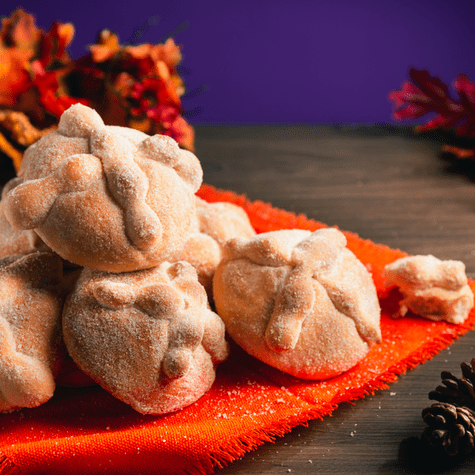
x=108 y=259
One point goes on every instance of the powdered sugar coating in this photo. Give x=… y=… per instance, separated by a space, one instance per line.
x=215 y=224
x=148 y=337
x=431 y=288
x=204 y=254
x=299 y=301
x=106 y=197
x=44 y=156
x=223 y=221
x=12 y=240
x=31 y=297
x=128 y=185
x=80 y=121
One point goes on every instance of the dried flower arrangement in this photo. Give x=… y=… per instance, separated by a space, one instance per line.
x=133 y=86
x=425 y=94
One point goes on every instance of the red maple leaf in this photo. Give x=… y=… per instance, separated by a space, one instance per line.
x=426 y=94
x=466 y=90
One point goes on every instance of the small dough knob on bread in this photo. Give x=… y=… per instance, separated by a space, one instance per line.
x=28 y=205
x=161 y=148
x=79 y=121
x=185 y=333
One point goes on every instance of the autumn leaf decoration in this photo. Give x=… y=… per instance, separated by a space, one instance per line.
x=425 y=94
x=134 y=86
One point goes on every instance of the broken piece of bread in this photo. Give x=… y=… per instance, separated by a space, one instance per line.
x=431 y=288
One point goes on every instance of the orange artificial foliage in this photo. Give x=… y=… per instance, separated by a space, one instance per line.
x=459 y=152
x=131 y=86
x=37 y=60
x=18 y=37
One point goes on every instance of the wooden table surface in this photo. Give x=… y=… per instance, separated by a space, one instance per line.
x=385 y=185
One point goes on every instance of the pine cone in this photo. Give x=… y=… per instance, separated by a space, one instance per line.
x=460 y=392
x=450 y=427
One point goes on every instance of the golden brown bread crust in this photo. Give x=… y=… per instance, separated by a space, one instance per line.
x=299 y=301
x=106 y=197
x=31 y=344
x=147 y=337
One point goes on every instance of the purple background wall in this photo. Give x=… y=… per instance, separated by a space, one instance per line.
x=280 y=61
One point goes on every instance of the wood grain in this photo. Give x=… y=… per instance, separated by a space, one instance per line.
x=388 y=186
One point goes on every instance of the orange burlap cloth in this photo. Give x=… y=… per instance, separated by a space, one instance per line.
x=84 y=431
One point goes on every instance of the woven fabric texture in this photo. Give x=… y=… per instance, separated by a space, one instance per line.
x=87 y=431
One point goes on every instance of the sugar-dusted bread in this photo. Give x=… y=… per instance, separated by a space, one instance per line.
x=299 y=301
x=431 y=288
x=106 y=197
x=12 y=240
x=31 y=344
x=215 y=223
x=147 y=337
x=204 y=254
x=223 y=221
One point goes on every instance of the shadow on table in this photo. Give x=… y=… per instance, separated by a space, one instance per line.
x=7 y=171
x=416 y=456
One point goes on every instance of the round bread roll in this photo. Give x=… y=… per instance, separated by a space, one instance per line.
x=106 y=197
x=299 y=301
x=223 y=221
x=147 y=337
x=215 y=223
x=31 y=343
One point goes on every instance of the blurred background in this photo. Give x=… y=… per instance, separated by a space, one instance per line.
x=284 y=62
